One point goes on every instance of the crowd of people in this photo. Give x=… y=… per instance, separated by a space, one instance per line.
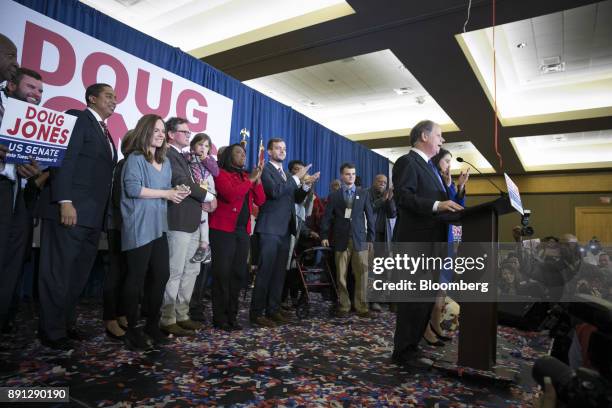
x=172 y=212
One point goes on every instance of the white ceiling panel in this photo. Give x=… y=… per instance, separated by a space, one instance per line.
x=354 y=96
x=585 y=150
x=581 y=40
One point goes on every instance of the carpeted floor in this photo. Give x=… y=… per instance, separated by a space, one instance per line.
x=320 y=361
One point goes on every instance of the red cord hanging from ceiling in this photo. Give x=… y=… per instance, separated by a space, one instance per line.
x=495 y=124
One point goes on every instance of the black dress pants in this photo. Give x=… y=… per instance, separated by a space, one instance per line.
x=271 y=272
x=150 y=262
x=12 y=269
x=114 y=278
x=230 y=251
x=67 y=255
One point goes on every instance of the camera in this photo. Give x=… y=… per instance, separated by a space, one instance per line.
x=582 y=388
x=526 y=230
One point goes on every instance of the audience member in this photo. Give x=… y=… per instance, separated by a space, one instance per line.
x=303 y=232
x=230 y=226
x=114 y=313
x=25 y=86
x=204 y=168
x=183 y=235
x=384 y=210
x=73 y=209
x=442 y=162
x=349 y=213
x=275 y=223
x=146 y=177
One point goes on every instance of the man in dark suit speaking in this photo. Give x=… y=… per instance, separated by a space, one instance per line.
x=73 y=209
x=420 y=195
x=350 y=211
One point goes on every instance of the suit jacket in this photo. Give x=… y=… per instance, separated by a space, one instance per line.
x=277 y=215
x=358 y=228
x=85 y=176
x=186 y=215
x=384 y=211
x=232 y=188
x=416 y=188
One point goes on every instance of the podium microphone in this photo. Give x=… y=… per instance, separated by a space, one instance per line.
x=501 y=192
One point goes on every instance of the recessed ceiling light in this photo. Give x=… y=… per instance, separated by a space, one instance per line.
x=405 y=90
x=521 y=45
x=309 y=103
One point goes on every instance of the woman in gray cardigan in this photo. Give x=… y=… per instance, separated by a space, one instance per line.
x=146 y=178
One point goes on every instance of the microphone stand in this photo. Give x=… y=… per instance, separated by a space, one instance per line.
x=502 y=193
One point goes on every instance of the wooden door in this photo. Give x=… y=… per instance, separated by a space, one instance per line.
x=594 y=221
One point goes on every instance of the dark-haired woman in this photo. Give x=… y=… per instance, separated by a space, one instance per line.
x=146 y=178
x=230 y=226
x=434 y=333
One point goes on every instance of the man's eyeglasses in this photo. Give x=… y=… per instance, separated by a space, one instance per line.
x=185 y=132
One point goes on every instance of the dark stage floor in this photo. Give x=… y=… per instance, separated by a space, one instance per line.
x=321 y=361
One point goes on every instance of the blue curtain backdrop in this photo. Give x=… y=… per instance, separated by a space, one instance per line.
x=306 y=140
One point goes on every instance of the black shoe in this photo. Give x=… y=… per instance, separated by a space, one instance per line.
x=8 y=367
x=440 y=336
x=223 y=326
x=436 y=343
x=412 y=361
x=235 y=326
x=113 y=335
x=9 y=327
x=135 y=340
x=158 y=338
x=63 y=344
x=76 y=335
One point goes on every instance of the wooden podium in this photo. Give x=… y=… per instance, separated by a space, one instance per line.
x=478 y=320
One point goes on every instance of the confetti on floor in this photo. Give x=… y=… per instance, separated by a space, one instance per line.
x=320 y=361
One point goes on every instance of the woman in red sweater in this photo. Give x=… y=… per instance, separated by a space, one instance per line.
x=230 y=226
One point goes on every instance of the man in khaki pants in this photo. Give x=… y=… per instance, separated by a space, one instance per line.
x=349 y=213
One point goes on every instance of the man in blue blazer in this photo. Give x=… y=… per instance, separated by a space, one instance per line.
x=73 y=212
x=350 y=212
x=275 y=224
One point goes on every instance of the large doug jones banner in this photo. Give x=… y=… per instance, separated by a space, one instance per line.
x=69 y=61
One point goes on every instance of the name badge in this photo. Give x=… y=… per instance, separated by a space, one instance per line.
x=347 y=212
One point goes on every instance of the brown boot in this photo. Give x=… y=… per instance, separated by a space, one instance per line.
x=190 y=324
x=176 y=330
x=278 y=318
x=263 y=322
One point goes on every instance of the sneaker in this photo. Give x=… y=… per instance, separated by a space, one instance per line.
x=190 y=325
x=375 y=307
x=176 y=330
x=199 y=256
x=207 y=256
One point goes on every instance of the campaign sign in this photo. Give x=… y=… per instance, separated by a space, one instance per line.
x=31 y=131
x=513 y=194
